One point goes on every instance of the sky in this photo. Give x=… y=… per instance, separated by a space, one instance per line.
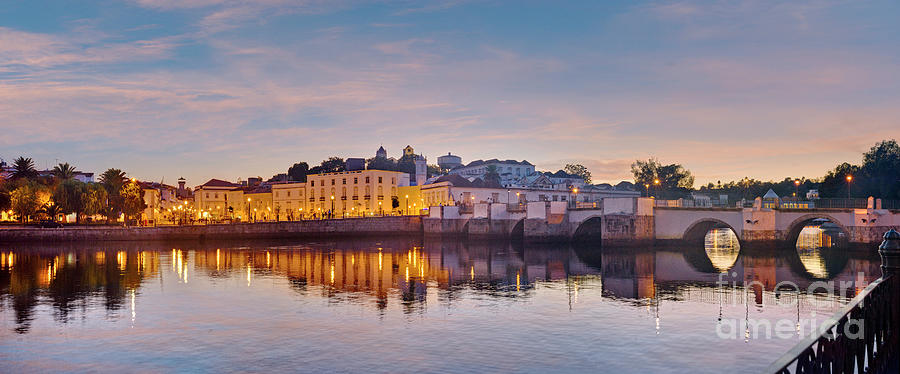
x=231 y=89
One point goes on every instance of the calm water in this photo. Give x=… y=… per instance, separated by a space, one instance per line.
x=408 y=306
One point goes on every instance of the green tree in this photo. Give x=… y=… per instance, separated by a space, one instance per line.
x=381 y=163
x=5 y=202
x=113 y=180
x=332 y=165
x=23 y=168
x=579 y=170
x=94 y=199
x=52 y=211
x=132 y=201
x=298 y=171
x=433 y=170
x=674 y=179
x=880 y=171
x=25 y=201
x=835 y=183
x=63 y=171
x=68 y=196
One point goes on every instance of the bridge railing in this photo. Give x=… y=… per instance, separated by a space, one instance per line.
x=874 y=314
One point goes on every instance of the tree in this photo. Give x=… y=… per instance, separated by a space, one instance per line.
x=835 y=183
x=579 y=170
x=332 y=165
x=298 y=171
x=132 y=201
x=433 y=170
x=381 y=163
x=23 y=168
x=5 y=202
x=25 y=201
x=52 y=211
x=674 y=179
x=880 y=171
x=94 y=199
x=63 y=171
x=113 y=180
x=68 y=197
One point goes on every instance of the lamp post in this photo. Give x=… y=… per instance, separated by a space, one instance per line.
x=406 y=202
x=849 y=180
x=575 y=202
x=332 y=207
x=380 y=210
x=518 y=199
x=656 y=183
x=797 y=188
x=248 y=209
x=647 y=188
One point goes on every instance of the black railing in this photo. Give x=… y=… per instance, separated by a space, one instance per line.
x=863 y=337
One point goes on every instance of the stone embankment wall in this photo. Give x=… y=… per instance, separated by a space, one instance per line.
x=297 y=229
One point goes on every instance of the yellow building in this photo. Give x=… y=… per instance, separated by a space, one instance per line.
x=411 y=200
x=353 y=193
x=289 y=201
x=210 y=199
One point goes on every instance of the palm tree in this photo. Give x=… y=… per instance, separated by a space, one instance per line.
x=24 y=168
x=63 y=171
x=114 y=178
x=52 y=211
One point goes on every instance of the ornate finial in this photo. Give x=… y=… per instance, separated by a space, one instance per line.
x=890 y=253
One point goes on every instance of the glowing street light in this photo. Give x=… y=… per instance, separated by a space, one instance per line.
x=849 y=180
x=796 y=187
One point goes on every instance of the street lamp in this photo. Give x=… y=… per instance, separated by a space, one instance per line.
x=406 y=202
x=656 y=182
x=380 y=210
x=849 y=179
x=796 y=188
x=647 y=187
x=332 y=207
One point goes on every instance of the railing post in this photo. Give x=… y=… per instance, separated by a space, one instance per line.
x=890 y=253
x=890 y=267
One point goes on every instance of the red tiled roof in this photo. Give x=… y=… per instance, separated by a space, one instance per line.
x=219 y=183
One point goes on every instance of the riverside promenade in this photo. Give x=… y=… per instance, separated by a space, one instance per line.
x=401 y=225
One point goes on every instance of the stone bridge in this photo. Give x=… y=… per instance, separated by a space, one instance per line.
x=637 y=220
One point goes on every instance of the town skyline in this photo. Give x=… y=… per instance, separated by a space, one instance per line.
x=222 y=89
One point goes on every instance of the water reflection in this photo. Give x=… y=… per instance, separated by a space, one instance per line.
x=443 y=291
x=722 y=248
x=821 y=248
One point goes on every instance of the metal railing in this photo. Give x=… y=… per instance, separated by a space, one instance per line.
x=835 y=351
x=872 y=347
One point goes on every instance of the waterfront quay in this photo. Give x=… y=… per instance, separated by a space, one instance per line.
x=619 y=221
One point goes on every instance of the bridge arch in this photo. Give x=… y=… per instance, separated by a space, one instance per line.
x=518 y=230
x=589 y=230
x=696 y=232
x=792 y=233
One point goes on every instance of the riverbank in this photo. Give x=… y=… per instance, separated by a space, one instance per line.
x=403 y=225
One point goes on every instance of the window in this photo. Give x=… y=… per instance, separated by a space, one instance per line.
x=344 y=181
x=379 y=179
x=393 y=180
x=216 y=195
x=207 y=195
x=289 y=193
x=312 y=183
x=355 y=180
x=367 y=180
x=332 y=182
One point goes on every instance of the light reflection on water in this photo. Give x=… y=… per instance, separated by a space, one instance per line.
x=389 y=306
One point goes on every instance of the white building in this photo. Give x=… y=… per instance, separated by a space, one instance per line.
x=510 y=171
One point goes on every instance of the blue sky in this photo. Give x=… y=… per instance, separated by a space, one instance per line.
x=231 y=89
